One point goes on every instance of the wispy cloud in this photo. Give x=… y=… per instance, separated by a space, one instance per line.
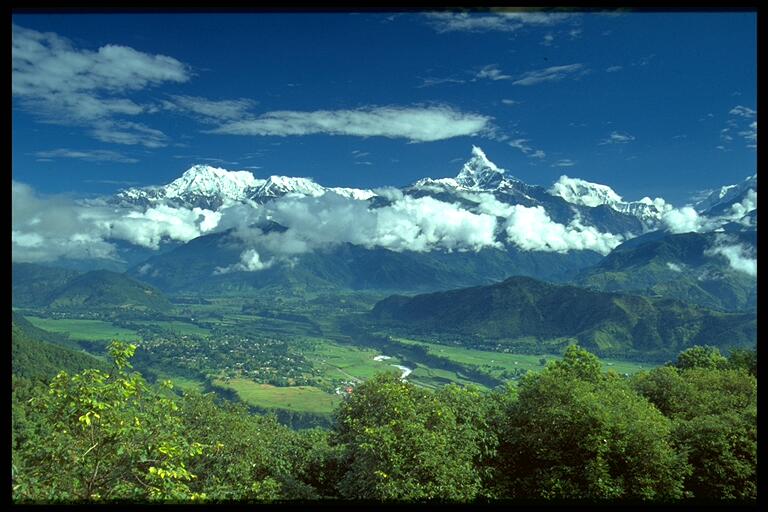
x=617 y=138
x=418 y=124
x=550 y=74
x=64 y=85
x=739 y=122
x=211 y=110
x=510 y=102
x=507 y=21
x=565 y=162
x=522 y=145
x=431 y=81
x=95 y=155
x=613 y=69
x=491 y=72
x=740 y=110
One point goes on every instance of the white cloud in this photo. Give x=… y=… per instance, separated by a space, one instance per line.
x=564 y=162
x=418 y=124
x=740 y=258
x=683 y=220
x=674 y=267
x=250 y=261
x=95 y=155
x=65 y=85
x=492 y=72
x=742 y=111
x=617 y=138
x=211 y=110
x=48 y=228
x=495 y=21
x=550 y=74
x=531 y=228
x=522 y=145
x=613 y=69
x=510 y=102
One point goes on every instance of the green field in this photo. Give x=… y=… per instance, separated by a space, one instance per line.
x=88 y=330
x=294 y=398
x=354 y=363
x=496 y=362
x=181 y=328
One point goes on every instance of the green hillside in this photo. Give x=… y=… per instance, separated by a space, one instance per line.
x=40 y=355
x=32 y=284
x=524 y=313
x=676 y=266
x=104 y=289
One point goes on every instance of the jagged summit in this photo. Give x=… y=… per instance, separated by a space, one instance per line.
x=478 y=173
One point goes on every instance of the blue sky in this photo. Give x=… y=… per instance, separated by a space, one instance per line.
x=656 y=104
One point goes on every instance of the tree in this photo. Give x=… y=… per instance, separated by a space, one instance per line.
x=577 y=433
x=403 y=443
x=105 y=436
x=700 y=357
x=714 y=418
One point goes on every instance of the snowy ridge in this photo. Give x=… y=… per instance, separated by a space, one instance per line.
x=585 y=193
x=726 y=194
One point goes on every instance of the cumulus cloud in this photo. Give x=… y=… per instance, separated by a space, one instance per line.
x=66 y=85
x=250 y=261
x=532 y=229
x=683 y=220
x=48 y=228
x=740 y=258
x=550 y=74
x=94 y=155
x=418 y=124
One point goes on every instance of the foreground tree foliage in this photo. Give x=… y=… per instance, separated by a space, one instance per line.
x=405 y=443
x=571 y=431
x=104 y=436
x=713 y=408
x=576 y=433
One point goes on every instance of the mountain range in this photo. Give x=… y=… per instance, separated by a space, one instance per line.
x=292 y=233
x=521 y=313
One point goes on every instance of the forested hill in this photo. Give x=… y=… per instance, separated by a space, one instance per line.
x=609 y=323
x=105 y=289
x=39 y=355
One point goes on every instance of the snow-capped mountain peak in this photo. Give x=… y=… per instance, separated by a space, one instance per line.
x=585 y=193
x=276 y=186
x=578 y=191
x=207 y=181
x=479 y=172
x=201 y=186
x=726 y=194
